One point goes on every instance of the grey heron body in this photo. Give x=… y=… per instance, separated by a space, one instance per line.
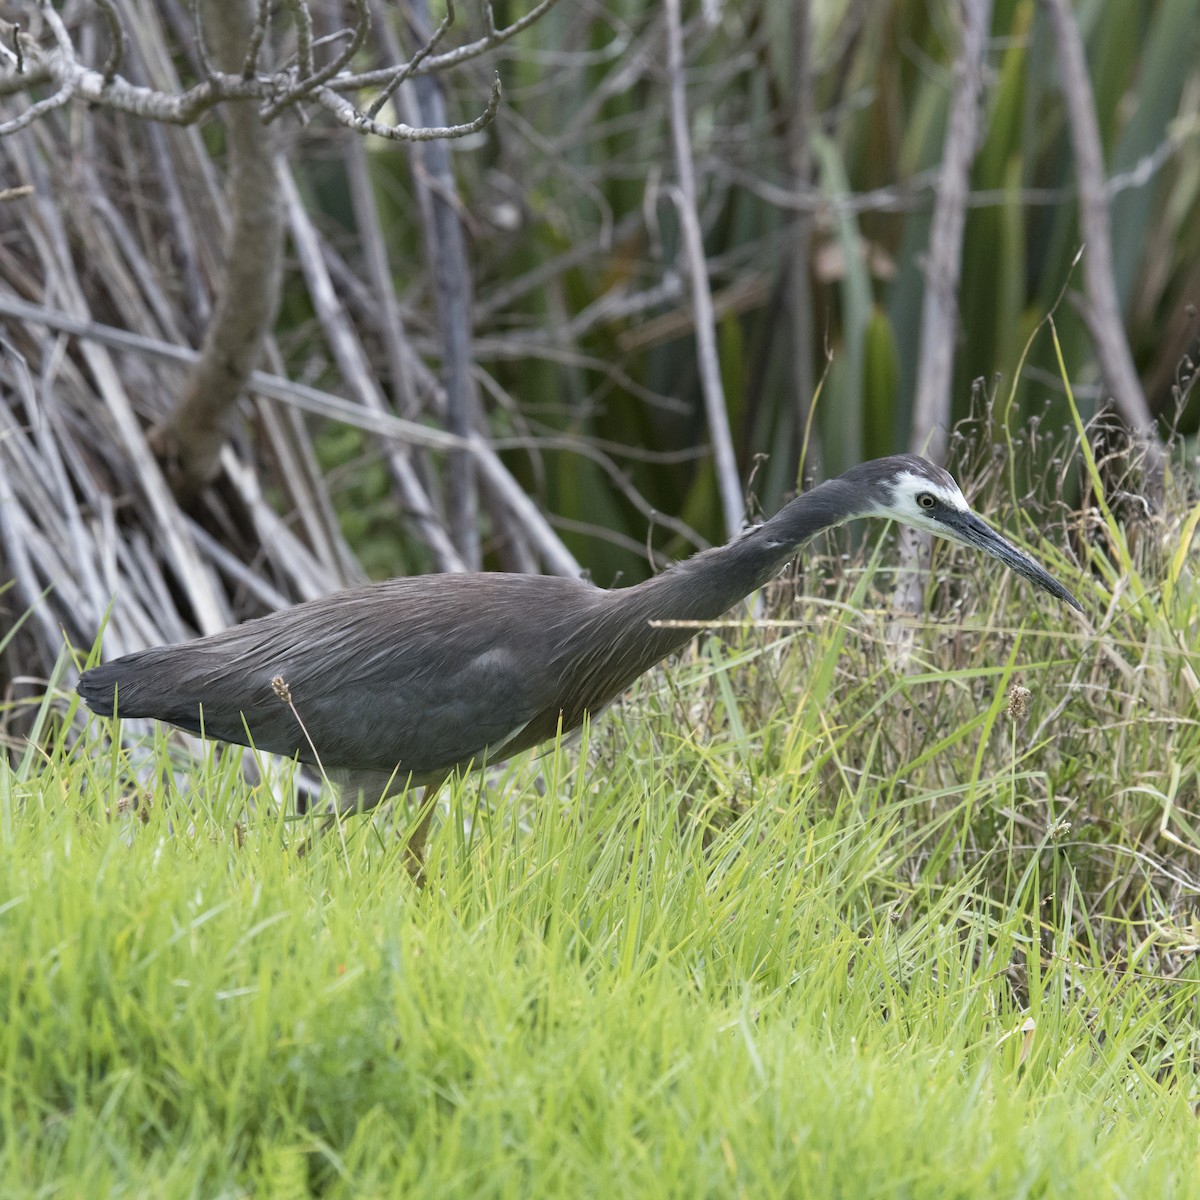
x=404 y=682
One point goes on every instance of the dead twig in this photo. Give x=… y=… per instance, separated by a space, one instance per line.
x=939 y=305
x=1102 y=311
x=724 y=460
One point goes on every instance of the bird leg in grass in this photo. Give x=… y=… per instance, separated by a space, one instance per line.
x=361 y=791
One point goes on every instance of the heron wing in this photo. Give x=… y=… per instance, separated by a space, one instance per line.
x=421 y=674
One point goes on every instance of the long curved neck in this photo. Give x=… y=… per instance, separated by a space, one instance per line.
x=620 y=636
x=709 y=583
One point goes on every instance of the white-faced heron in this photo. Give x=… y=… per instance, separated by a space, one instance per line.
x=404 y=682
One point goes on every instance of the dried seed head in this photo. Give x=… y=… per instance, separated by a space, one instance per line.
x=138 y=803
x=1018 y=701
x=281 y=689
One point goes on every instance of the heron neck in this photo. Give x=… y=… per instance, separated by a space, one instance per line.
x=707 y=584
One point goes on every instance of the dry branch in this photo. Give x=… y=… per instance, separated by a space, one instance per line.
x=939 y=307
x=799 y=288
x=943 y=264
x=1102 y=311
x=555 y=556
x=230 y=39
x=33 y=65
x=446 y=254
x=249 y=295
x=352 y=361
x=724 y=460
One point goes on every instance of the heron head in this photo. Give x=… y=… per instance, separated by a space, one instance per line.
x=909 y=489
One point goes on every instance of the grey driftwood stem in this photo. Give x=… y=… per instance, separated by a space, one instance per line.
x=248 y=297
x=943 y=268
x=1102 y=310
x=724 y=460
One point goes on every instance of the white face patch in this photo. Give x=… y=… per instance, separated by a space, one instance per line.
x=907 y=490
x=908 y=486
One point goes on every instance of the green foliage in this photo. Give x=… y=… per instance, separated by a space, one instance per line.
x=360 y=486
x=571 y=334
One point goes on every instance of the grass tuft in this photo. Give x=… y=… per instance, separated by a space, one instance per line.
x=794 y=918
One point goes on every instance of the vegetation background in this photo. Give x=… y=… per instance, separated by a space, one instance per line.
x=808 y=913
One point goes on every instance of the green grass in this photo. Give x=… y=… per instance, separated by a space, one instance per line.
x=798 y=917
x=791 y=921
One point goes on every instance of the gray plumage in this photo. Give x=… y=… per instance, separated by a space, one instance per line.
x=409 y=680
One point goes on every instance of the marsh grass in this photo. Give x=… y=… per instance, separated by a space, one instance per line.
x=798 y=916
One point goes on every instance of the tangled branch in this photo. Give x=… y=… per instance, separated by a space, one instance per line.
x=29 y=62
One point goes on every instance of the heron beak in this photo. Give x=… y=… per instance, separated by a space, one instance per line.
x=971 y=530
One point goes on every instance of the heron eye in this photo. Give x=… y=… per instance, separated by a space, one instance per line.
x=926 y=500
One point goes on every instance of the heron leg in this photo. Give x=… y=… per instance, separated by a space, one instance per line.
x=414 y=848
x=361 y=791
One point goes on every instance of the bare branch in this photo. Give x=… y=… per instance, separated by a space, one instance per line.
x=389 y=89
x=451 y=58
x=311 y=81
x=304 y=35
x=917 y=192
x=66 y=88
x=323 y=404
x=113 y=63
x=246 y=304
x=1103 y=313
x=60 y=66
x=706 y=347
x=943 y=265
x=18 y=53
x=446 y=254
x=398 y=353
x=355 y=369
x=62 y=39
x=352 y=118
x=258 y=34
x=939 y=305
x=799 y=287
x=201 y=41
x=33 y=65
x=38 y=110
